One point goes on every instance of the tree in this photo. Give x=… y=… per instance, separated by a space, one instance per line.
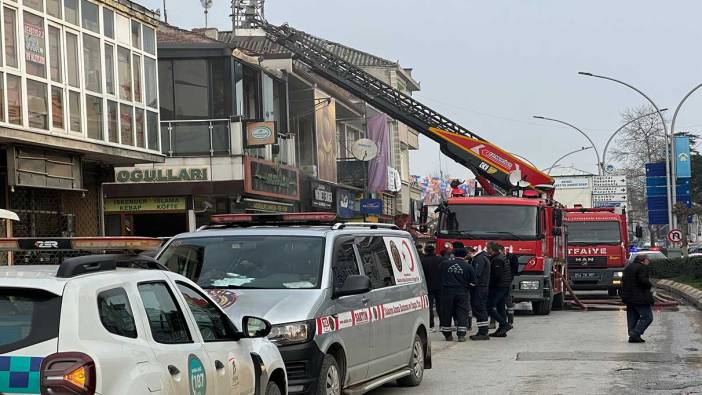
x=682 y=213
x=696 y=181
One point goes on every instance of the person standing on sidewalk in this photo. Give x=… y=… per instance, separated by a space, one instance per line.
x=431 y=263
x=636 y=294
x=456 y=277
x=479 y=294
x=500 y=282
x=514 y=266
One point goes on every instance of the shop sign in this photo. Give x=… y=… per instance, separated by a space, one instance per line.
x=161 y=174
x=260 y=133
x=34 y=43
x=273 y=207
x=145 y=204
x=345 y=204
x=322 y=196
x=271 y=179
x=371 y=207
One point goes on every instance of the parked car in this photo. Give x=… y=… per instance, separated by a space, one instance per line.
x=94 y=326
x=348 y=302
x=652 y=255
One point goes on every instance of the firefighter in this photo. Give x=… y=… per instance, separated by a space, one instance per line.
x=457 y=277
x=514 y=265
x=479 y=294
x=500 y=282
x=431 y=263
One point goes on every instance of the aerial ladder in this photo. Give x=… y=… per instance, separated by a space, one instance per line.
x=492 y=166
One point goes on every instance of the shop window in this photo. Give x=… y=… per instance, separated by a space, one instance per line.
x=2 y=99
x=110 y=69
x=125 y=120
x=90 y=12
x=152 y=129
x=34 y=45
x=71 y=11
x=136 y=34
x=93 y=114
x=191 y=89
x=14 y=99
x=57 y=107
x=112 y=132
x=151 y=82
x=139 y=128
x=55 y=54
x=136 y=69
x=123 y=32
x=11 y=37
x=72 y=60
x=91 y=63
x=125 y=74
x=74 y=108
x=108 y=23
x=149 y=40
x=37 y=105
x=53 y=8
x=165 y=87
x=35 y=4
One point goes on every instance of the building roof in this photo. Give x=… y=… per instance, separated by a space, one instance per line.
x=169 y=35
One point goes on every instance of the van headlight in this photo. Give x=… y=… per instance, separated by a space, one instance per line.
x=291 y=333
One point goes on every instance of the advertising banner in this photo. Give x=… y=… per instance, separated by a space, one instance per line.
x=271 y=179
x=405 y=265
x=325 y=124
x=377 y=167
x=682 y=157
x=345 y=203
x=371 y=206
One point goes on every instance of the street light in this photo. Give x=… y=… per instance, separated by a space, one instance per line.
x=597 y=153
x=604 y=153
x=665 y=129
x=565 y=156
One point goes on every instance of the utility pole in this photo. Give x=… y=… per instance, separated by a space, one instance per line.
x=165 y=13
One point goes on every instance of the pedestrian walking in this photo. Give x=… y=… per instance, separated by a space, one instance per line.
x=514 y=265
x=456 y=278
x=636 y=294
x=431 y=263
x=500 y=282
x=479 y=294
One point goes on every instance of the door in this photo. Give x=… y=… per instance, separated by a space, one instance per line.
x=234 y=372
x=352 y=313
x=175 y=344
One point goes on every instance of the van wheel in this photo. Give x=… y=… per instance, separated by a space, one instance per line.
x=558 y=301
x=541 y=307
x=273 y=389
x=329 y=377
x=416 y=364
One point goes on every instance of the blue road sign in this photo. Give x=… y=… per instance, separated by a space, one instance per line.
x=682 y=157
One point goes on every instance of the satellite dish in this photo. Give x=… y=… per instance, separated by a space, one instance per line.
x=206 y=4
x=364 y=149
x=515 y=178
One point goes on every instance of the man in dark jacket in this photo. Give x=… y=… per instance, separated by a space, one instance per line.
x=431 y=263
x=514 y=265
x=479 y=294
x=456 y=277
x=500 y=282
x=636 y=294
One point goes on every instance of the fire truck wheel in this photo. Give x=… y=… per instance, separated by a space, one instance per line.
x=542 y=307
x=558 y=301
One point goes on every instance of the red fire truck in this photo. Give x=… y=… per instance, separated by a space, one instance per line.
x=598 y=242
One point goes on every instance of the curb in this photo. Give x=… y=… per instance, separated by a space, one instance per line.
x=691 y=294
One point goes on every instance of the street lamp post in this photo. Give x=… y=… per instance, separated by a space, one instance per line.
x=665 y=129
x=565 y=156
x=604 y=153
x=592 y=144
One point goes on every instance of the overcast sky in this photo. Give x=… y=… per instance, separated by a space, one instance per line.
x=491 y=65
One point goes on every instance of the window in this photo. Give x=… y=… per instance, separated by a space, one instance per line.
x=108 y=23
x=38 y=105
x=57 y=107
x=151 y=82
x=110 y=69
x=71 y=11
x=152 y=130
x=497 y=222
x=149 y=40
x=91 y=63
x=116 y=313
x=591 y=233
x=166 y=320
x=125 y=121
x=345 y=263
x=251 y=93
x=34 y=45
x=139 y=128
x=53 y=8
x=28 y=317
x=14 y=99
x=55 y=54
x=35 y=4
x=93 y=113
x=376 y=262
x=72 y=60
x=213 y=324
x=91 y=20
x=11 y=37
x=112 y=132
x=136 y=34
x=74 y=107
x=136 y=69
x=125 y=74
x=191 y=89
x=2 y=99
x=165 y=86
x=123 y=29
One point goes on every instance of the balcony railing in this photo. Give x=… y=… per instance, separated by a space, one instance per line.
x=205 y=137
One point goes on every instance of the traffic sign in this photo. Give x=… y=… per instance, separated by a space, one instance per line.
x=675 y=236
x=609 y=181
x=597 y=204
x=608 y=190
x=615 y=197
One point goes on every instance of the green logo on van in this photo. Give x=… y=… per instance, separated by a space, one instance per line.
x=198 y=378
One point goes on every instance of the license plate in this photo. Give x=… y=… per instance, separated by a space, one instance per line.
x=585 y=276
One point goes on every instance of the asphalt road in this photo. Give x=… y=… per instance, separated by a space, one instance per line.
x=571 y=352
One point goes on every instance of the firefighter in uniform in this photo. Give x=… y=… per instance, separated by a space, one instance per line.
x=456 y=278
x=479 y=294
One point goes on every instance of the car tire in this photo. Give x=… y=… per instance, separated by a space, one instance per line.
x=416 y=364
x=273 y=389
x=613 y=292
x=330 y=377
x=541 y=307
x=558 y=301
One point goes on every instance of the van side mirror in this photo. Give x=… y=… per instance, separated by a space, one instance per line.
x=255 y=327
x=354 y=285
x=557 y=231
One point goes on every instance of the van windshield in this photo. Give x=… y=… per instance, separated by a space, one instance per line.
x=590 y=232
x=248 y=262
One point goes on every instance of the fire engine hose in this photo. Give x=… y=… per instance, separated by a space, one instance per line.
x=576 y=301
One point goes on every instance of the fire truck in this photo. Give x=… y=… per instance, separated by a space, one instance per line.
x=520 y=213
x=598 y=241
